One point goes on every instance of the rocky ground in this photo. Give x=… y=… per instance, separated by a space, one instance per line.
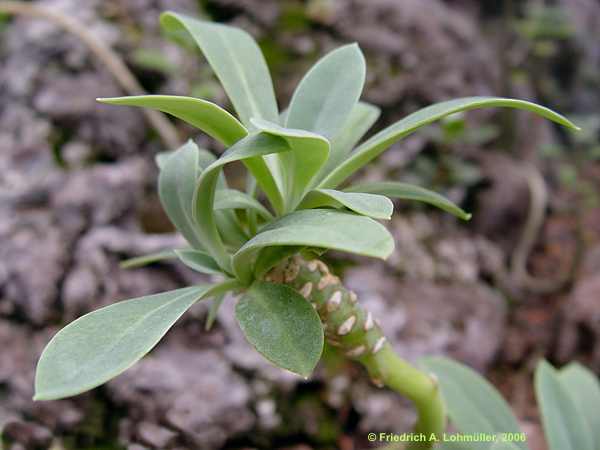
x=77 y=195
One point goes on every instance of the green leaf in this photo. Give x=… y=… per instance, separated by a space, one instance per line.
x=204 y=115
x=301 y=165
x=371 y=205
x=236 y=60
x=269 y=257
x=361 y=119
x=583 y=387
x=407 y=191
x=212 y=312
x=374 y=146
x=199 y=261
x=329 y=91
x=102 y=344
x=504 y=445
x=474 y=405
x=324 y=228
x=248 y=150
x=234 y=199
x=205 y=158
x=282 y=326
x=564 y=424
x=161 y=159
x=229 y=227
x=140 y=261
x=239 y=64
x=252 y=191
x=176 y=183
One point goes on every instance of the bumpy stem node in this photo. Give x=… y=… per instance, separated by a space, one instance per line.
x=355 y=332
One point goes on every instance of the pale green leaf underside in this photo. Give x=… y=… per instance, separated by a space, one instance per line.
x=407 y=191
x=282 y=326
x=329 y=91
x=204 y=115
x=161 y=159
x=205 y=157
x=140 y=261
x=474 y=405
x=100 y=345
x=371 y=205
x=361 y=119
x=176 y=183
x=249 y=150
x=239 y=64
x=199 y=261
x=564 y=424
x=583 y=387
x=234 y=199
x=323 y=228
x=236 y=60
x=301 y=165
x=377 y=144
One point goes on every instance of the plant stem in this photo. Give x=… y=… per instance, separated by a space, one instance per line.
x=355 y=332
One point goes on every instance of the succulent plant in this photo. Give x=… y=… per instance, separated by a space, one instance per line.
x=568 y=399
x=264 y=243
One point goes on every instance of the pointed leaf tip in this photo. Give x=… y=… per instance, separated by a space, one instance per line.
x=381 y=141
x=100 y=345
x=236 y=60
x=328 y=92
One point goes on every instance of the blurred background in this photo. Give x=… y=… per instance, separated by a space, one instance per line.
x=520 y=281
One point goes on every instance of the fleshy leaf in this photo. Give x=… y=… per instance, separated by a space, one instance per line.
x=237 y=62
x=583 y=387
x=329 y=91
x=282 y=325
x=380 y=142
x=371 y=205
x=199 y=261
x=474 y=405
x=249 y=150
x=301 y=165
x=234 y=199
x=565 y=425
x=205 y=157
x=176 y=183
x=361 y=119
x=231 y=231
x=100 y=345
x=140 y=261
x=161 y=158
x=323 y=228
x=407 y=191
x=202 y=114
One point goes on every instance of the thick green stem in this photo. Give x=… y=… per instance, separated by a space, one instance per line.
x=355 y=332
